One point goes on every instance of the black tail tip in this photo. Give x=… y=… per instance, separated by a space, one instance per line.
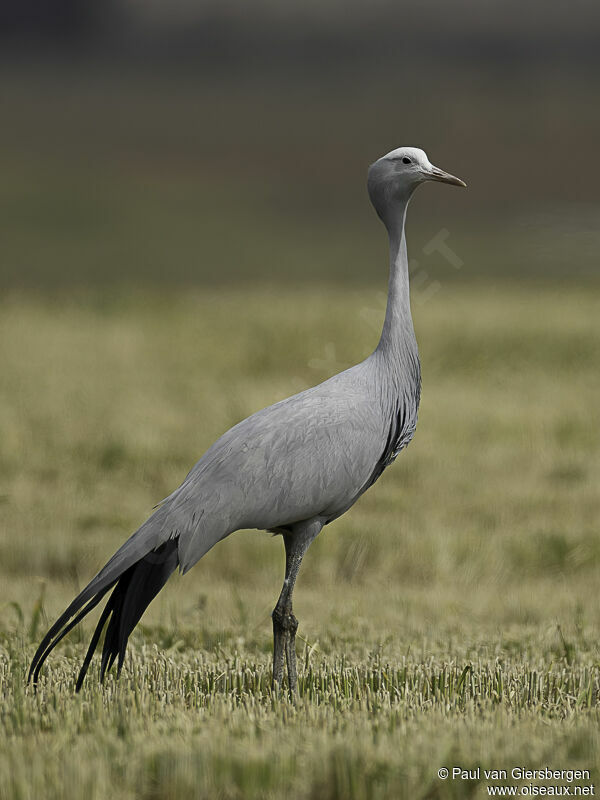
x=133 y=591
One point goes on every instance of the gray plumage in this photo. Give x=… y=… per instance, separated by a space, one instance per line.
x=291 y=468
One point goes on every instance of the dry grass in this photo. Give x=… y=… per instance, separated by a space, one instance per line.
x=451 y=617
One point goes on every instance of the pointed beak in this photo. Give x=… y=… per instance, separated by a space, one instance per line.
x=436 y=174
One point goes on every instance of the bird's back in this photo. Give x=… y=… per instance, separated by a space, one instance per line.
x=310 y=455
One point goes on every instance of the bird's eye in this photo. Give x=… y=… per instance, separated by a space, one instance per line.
x=406 y=160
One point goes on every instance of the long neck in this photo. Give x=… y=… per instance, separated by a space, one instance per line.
x=398 y=333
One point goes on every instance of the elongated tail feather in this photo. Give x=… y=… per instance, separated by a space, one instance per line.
x=132 y=595
x=135 y=586
x=40 y=657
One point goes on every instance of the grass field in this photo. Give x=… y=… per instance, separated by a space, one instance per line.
x=451 y=618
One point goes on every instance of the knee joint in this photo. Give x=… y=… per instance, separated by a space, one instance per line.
x=285 y=620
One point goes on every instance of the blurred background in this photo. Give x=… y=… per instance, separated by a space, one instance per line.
x=217 y=142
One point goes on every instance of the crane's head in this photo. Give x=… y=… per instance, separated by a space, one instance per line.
x=394 y=177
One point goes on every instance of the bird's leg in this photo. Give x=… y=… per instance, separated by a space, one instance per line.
x=290 y=654
x=285 y=623
x=279 y=636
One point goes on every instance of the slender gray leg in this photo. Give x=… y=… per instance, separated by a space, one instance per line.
x=290 y=652
x=285 y=623
x=279 y=650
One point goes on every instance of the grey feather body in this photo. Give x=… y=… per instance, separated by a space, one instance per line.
x=290 y=468
x=309 y=456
